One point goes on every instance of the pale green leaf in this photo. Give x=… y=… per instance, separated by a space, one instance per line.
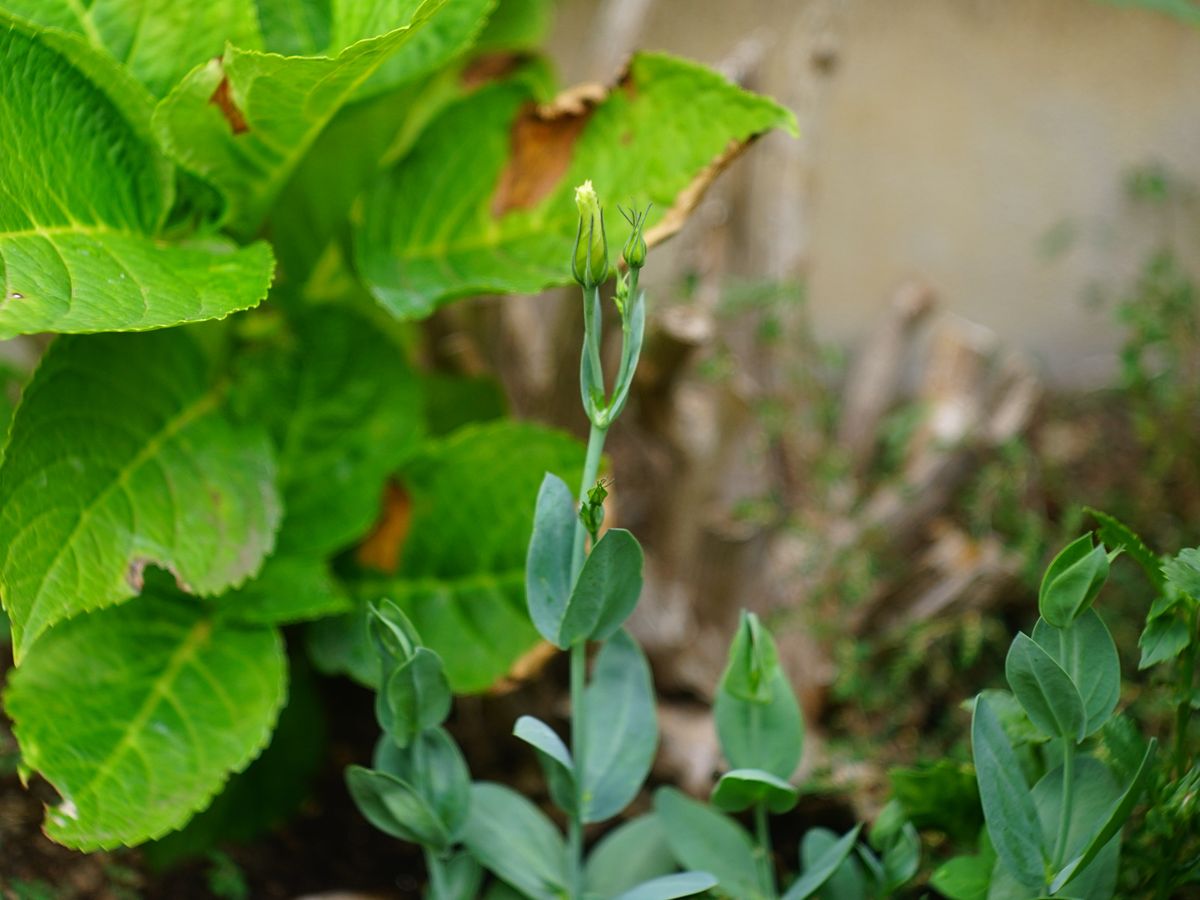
x=158 y=41
x=271 y=109
x=121 y=456
x=137 y=715
x=455 y=218
x=343 y=407
x=83 y=197
x=462 y=569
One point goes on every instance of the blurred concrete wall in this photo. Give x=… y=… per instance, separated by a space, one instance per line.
x=955 y=140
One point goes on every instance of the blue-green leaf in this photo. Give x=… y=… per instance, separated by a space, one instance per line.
x=620 y=728
x=1111 y=824
x=548 y=563
x=819 y=870
x=1072 y=580
x=555 y=758
x=630 y=854
x=1012 y=818
x=668 y=887
x=741 y=789
x=1046 y=692
x=705 y=840
x=514 y=840
x=758 y=719
x=1086 y=652
x=606 y=591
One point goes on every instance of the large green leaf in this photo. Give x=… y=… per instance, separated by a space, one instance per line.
x=462 y=571
x=494 y=214
x=344 y=410
x=270 y=790
x=120 y=456
x=288 y=589
x=269 y=109
x=157 y=40
x=83 y=195
x=138 y=714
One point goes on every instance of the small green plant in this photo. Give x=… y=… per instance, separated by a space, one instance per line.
x=761 y=732
x=581 y=586
x=1060 y=838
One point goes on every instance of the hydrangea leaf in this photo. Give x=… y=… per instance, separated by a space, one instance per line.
x=244 y=120
x=158 y=41
x=461 y=576
x=122 y=456
x=344 y=409
x=137 y=715
x=83 y=197
x=495 y=214
x=288 y=589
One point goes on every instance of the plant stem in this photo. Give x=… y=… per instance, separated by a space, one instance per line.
x=591 y=467
x=1068 y=798
x=438 y=889
x=763 y=832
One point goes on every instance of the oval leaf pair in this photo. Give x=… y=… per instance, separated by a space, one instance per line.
x=758 y=719
x=1046 y=692
x=416 y=793
x=1072 y=581
x=607 y=590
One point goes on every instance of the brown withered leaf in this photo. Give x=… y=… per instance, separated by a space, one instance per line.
x=383 y=547
x=489 y=67
x=222 y=99
x=527 y=667
x=543 y=138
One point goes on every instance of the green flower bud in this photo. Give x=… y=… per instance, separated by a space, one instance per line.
x=635 y=248
x=591 y=513
x=589 y=263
